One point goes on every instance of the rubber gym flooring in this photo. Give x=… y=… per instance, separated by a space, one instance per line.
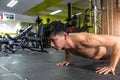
x=32 y=65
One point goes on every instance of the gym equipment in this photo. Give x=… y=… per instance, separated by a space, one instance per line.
x=92 y=18
x=16 y=41
x=0 y=39
x=12 y=44
x=68 y=25
x=23 y=33
x=36 y=39
x=87 y=21
x=97 y=18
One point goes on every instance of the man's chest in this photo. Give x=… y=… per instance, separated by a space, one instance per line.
x=85 y=52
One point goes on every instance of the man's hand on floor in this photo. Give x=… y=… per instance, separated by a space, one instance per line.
x=105 y=70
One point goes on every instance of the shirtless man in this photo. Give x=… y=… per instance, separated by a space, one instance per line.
x=86 y=45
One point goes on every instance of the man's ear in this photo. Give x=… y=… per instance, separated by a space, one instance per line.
x=65 y=35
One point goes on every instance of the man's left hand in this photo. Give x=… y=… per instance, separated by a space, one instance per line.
x=105 y=70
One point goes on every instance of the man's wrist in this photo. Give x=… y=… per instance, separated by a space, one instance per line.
x=67 y=60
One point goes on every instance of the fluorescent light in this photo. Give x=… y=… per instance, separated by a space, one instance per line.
x=55 y=12
x=12 y=3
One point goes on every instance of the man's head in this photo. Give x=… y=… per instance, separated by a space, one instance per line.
x=56 y=33
x=55 y=27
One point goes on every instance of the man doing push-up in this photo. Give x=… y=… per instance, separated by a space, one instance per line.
x=86 y=45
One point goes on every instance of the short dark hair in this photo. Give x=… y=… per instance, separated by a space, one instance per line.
x=55 y=27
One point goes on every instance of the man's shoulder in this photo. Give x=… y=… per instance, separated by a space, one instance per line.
x=79 y=33
x=78 y=36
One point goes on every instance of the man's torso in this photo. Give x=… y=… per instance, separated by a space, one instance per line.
x=86 y=51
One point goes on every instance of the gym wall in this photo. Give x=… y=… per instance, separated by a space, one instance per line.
x=110 y=17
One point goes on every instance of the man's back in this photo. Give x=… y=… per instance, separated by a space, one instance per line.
x=82 y=49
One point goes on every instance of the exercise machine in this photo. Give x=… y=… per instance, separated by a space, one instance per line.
x=38 y=40
x=13 y=43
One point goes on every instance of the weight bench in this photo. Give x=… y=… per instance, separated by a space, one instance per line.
x=11 y=41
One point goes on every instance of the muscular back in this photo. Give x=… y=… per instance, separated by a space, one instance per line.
x=83 y=47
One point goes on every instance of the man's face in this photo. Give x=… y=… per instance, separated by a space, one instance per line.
x=57 y=41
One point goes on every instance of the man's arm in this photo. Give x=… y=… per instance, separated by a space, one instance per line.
x=67 y=59
x=105 y=40
x=67 y=55
x=115 y=56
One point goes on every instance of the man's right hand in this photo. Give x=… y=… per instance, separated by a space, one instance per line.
x=66 y=63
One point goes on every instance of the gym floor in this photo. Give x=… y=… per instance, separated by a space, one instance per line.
x=32 y=65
